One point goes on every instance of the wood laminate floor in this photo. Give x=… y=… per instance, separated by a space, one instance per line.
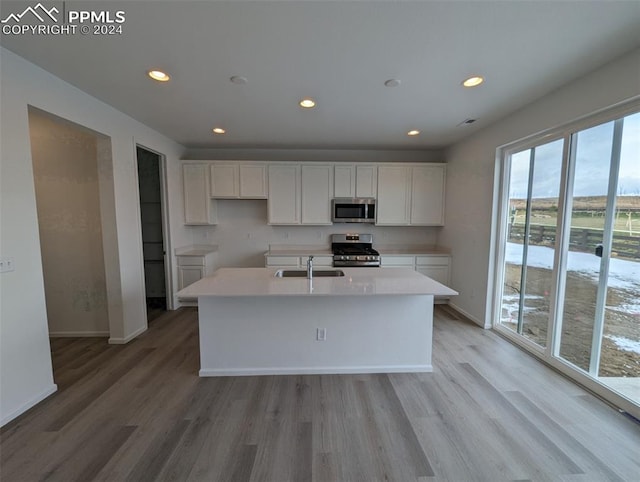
x=489 y=412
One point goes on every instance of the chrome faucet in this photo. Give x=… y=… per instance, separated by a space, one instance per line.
x=310 y=267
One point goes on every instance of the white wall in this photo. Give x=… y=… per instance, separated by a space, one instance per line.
x=471 y=166
x=243 y=236
x=326 y=155
x=25 y=364
x=65 y=166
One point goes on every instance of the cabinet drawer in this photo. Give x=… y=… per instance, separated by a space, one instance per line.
x=190 y=260
x=432 y=260
x=317 y=260
x=283 y=261
x=397 y=261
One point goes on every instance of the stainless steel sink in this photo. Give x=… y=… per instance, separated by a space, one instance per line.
x=302 y=273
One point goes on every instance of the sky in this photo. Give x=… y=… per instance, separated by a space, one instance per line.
x=592 y=164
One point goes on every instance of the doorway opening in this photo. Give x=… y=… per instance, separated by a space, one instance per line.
x=70 y=172
x=150 y=182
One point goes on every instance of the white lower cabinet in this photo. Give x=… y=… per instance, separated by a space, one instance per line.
x=436 y=267
x=408 y=261
x=188 y=275
x=296 y=261
x=193 y=267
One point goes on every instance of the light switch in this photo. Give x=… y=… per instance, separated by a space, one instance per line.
x=6 y=265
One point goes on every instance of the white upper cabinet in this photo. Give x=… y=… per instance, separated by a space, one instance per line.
x=427 y=195
x=411 y=195
x=344 y=184
x=317 y=192
x=300 y=194
x=253 y=181
x=239 y=180
x=198 y=206
x=355 y=181
x=225 y=181
x=366 y=181
x=284 y=194
x=394 y=196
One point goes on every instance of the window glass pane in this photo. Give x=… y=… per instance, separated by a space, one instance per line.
x=590 y=186
x=620 y=351
x=545 y=192
x=518 y=186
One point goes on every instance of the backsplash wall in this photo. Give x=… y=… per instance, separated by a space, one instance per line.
x=243 y=235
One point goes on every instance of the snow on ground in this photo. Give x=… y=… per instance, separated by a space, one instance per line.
x=623 y=274
x=625 y=343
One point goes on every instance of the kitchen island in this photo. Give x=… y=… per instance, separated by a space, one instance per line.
x=371 y=320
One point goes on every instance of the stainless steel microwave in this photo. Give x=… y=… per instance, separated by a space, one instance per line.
x=353 y=210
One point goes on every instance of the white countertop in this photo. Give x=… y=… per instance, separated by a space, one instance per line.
x=357 y=281
x=388 y=250
x=196 y=250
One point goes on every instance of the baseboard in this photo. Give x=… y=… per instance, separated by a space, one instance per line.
x=471 y=317
x=237 y=372
x=124 y=341
x=77 y=334
x=30 y=404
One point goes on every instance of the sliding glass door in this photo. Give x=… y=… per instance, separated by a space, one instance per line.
x=531 y=231
x=570 y=267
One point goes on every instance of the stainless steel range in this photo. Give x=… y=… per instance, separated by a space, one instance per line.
x=354 y=250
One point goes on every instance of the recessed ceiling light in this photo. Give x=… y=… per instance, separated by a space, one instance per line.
x=307 y=103
x=218 y=130
x=237 y=79
x=473 y=81
x=158 y=75
x=413 y=132
x=392 y=83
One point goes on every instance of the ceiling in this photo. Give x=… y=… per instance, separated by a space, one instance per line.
x=338 y=52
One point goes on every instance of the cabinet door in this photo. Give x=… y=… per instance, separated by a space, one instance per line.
x=366 y=181
x=253 y=181
x=344 y=184
x=397 y=261
x=284 y=194
x=393 y=195
x=427 y=195
x=198 y=208
x=317 y=191
x=438 y=273
x=188 y=275
x=224 y=181
x=282 y=261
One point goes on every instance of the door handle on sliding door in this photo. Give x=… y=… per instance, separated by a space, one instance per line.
x=598 y=252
